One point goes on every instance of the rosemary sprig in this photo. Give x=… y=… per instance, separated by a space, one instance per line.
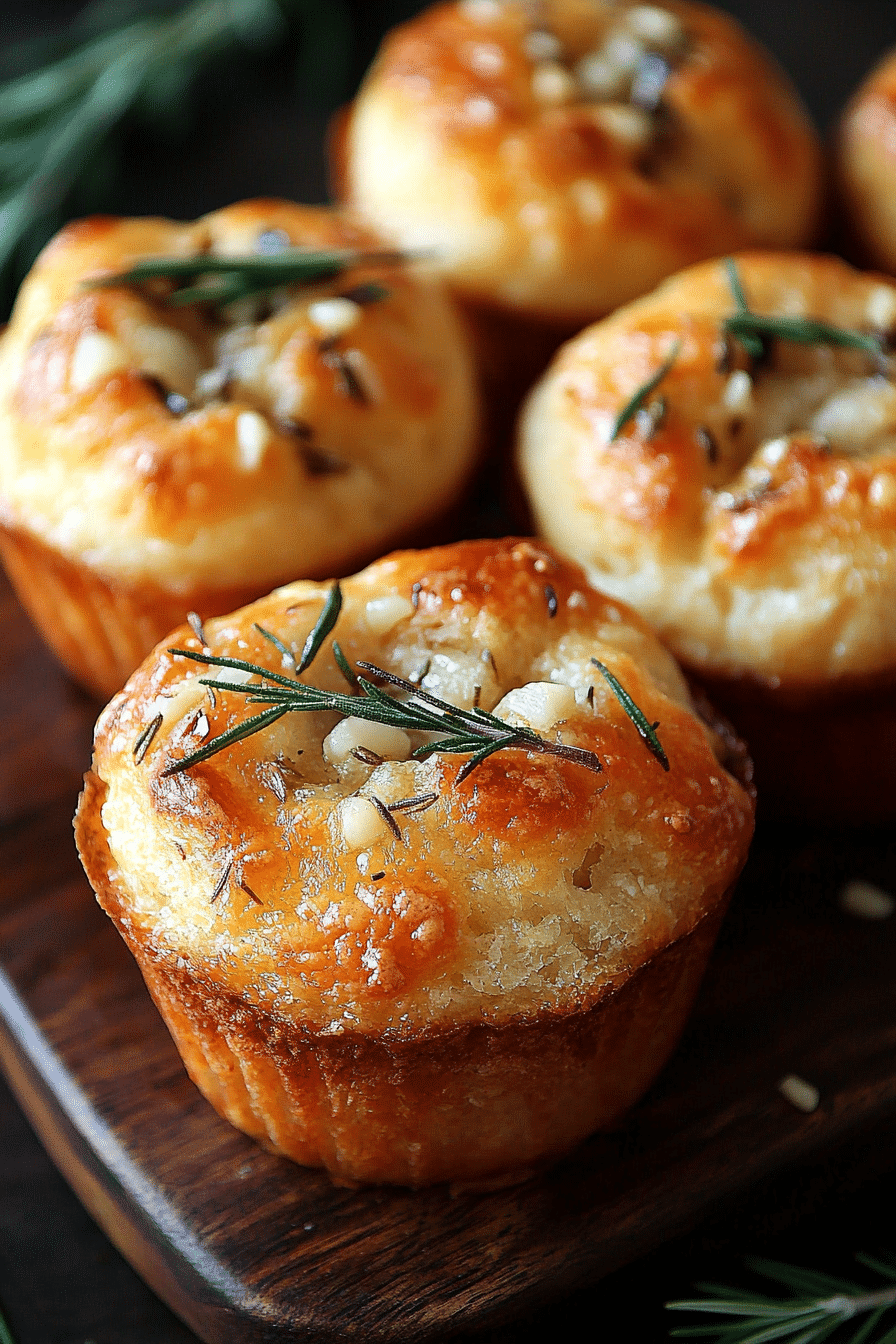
x=61 y=107
x=468 y=731
x=644 y=392
x=646 y=730
x=819 y=1306
x=753 y=330
x=472 y=731
x=225 y=280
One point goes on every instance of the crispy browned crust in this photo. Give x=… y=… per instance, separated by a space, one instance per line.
x=866 y=165
x=489 y=996
x=466 y=1103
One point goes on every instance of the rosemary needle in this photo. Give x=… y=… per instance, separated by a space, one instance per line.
x=754 y=329
x=224 y=280
x=466 y=731
x=646 y=729
x=644 y=392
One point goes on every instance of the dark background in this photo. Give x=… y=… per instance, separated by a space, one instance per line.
x=60 y=1280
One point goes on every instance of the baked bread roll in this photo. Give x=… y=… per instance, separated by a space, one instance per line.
x=866 y=165
x=745 y=503
x=560 y=159
x=158 y=459
x=407 y=970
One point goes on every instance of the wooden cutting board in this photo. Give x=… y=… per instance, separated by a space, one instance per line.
x=247 y=1247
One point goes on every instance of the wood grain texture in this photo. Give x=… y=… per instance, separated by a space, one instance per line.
x=246 y=1247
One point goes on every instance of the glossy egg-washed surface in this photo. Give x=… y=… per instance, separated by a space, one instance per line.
x=533 y=886
x=493 y=134
x=750 y=515
x=273 y=462
x=866 y=155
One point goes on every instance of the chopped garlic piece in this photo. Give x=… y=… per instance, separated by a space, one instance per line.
x=360 y=822
x=804 y=1096
x=334 y=317
x=540 y=704
x=167 y=354
x=552 y=83
x=95 y=357
x=600 y=77
x=738 y=394
x=882 y=490
x=481 y=11
x=866 y=901
x=382 y=613
x=252 y=437
x=481 y=111
x=630 y=127
x=391 y=743
x=236 y=676
x=657 y=27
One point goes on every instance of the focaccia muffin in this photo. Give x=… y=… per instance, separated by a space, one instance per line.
x=732 y=475
x=866 y=165
x=559 y=159
x=414 y=969
x=157 y=459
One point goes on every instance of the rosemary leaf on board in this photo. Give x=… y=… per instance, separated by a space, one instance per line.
x=821 y=1305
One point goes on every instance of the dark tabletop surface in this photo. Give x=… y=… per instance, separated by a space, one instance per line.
x=60 y=1280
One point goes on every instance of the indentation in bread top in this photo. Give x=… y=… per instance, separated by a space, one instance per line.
x=356 y=888
x=195 y=446
x=748 y=510
x=565 y=158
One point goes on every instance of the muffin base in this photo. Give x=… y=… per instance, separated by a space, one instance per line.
x=98 y=627
x=465 y=1102
x=101 y=627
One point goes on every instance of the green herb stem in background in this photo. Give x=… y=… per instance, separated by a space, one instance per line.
x=821 y=1307
x=57 y=119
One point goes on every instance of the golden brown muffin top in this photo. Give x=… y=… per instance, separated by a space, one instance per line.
x=316 y=868
x=563 y=158
x=197 y=445
x=748 y=507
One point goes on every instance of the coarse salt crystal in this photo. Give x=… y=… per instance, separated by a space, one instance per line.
x=804 y=1096
x=865 y=900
